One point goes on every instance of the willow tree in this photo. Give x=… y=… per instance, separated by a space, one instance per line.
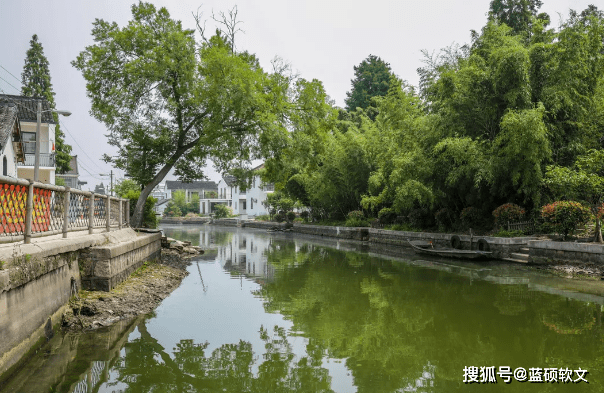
x=171 y=103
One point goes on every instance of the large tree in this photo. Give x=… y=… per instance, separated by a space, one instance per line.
x=36 y=83
x=371 y=79
x=517 y=14
x=169 y=103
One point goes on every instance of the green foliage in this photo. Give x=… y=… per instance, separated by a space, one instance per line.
x=122 y=187
x=387 y=215
x=210 y=194
x=290 y=216
x=172 y=210
x=503 y=233
x=35 y=81
x=518 y=14
x=263 y=217
x=305 y=215
x=279 y=217
x=565 y=216
x=508 y=212
x=59 y=181
x=150 y=220
x=444 y=218
x=371 y=79
x=222 y=211
x=199 y=101
x=356 y=218
x=471 y=217
x=421 y=218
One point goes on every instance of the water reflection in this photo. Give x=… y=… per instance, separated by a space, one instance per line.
x=273 y=313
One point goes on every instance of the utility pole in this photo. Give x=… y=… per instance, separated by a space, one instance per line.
x=109 y=174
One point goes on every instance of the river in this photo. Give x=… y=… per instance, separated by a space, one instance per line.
x=264 y=312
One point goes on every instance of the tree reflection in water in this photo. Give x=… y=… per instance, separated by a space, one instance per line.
x=147 y=367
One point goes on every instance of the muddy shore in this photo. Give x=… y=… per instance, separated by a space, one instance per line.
x=140 y=294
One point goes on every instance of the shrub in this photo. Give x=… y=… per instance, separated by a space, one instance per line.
x=387 y=215
x=504 y=233
x=420 y=218
x=356 y=222
x=290 y=216
x=279 y=217
x=565 y=216
x=172 y=210
x=508 y=212
x=222 y=211
x=444 y=218
x=471 y=217
x=263 y=217
x=355 y=214
x=305 y=215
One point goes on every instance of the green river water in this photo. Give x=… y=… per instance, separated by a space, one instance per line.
x=264 y=312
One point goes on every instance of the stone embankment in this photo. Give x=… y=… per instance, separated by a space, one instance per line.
x=139 y=294
x=186 y=220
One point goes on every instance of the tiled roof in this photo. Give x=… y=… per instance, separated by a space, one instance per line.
x=8 y=115
x=196 y=185
x=230 y=180
x=27 y=108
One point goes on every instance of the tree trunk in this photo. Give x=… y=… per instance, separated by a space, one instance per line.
x=136 y=221
x=598 y=234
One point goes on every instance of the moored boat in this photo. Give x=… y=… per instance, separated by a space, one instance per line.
x=427 y=248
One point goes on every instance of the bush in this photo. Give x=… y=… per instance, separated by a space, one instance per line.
x=191 y=215
x=565 y=216
x=305 y=215
x=279 y=217
x=471 y=217
x=356 y=214
x=420 y=218
x=222 y=211
x=387 y=215
x=508 y=212
x=263 y=217
x=356 y=222
x=172 y=210
x=504 y=233
x=290 y=216
x=444 y=218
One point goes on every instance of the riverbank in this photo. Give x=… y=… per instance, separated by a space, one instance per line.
x=140 y=294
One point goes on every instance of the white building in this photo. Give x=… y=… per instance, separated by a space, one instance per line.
x=72 y=177
x=11 y=145
x=196 y=188
x=27 y=108
x=244 y=202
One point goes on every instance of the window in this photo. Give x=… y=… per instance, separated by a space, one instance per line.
x=4 y=166
x=29 y=142
x=251 y=203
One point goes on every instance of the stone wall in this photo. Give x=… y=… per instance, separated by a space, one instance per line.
x=38 y=279
x=103 y=267
x=185 y=221
x=500 y=247
x=551 y=252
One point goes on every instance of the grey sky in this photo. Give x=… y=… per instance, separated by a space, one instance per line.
x=322 y=39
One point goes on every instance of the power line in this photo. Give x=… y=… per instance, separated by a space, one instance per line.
x=10 y=73
x=76 y=142
x=9 y=84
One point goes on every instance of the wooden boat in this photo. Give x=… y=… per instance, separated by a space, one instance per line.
x=427 y=248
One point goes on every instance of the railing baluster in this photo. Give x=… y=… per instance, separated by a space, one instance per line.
x=29 y=213
x=121 y=214
x=108 y=214
x=66 y=198
x=91 y=214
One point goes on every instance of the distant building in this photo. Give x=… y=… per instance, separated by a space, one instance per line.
x=198 y=188
x=72 y=177
x=244 y=203
x=99 y=189
x=11 y=145
x=27 y=108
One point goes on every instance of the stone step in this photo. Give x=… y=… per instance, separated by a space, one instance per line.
x=515 y=260
x=525 y=250
x=520 y=256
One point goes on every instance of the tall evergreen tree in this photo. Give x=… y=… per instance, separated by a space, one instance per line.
x=517 y=14
x=36 y=83
x=371 y=79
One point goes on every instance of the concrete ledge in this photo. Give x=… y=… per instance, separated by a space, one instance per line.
x=228 y=222
x=185 y=221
